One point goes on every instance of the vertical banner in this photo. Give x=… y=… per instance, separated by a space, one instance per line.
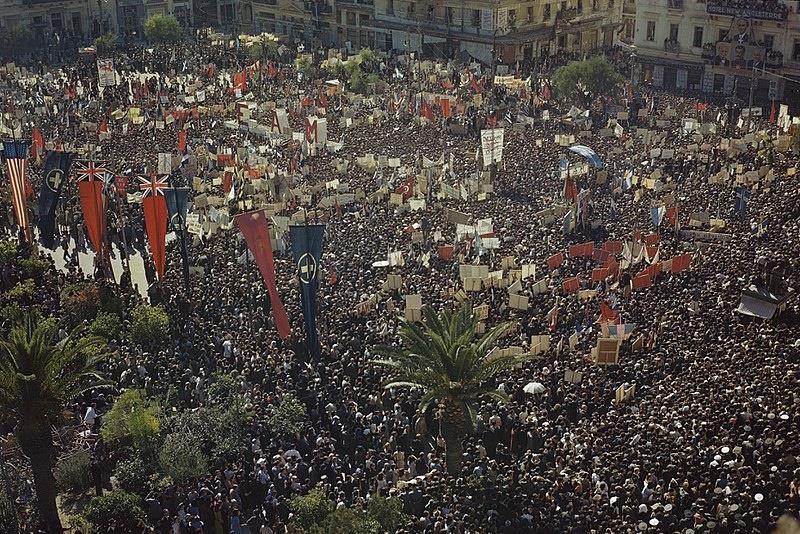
x=105 y=73
x=307 y=252
x=55 y=173
x=154 y=207
x=253 y=226
x=16 y=156
x=91 y=177
x=177 y=199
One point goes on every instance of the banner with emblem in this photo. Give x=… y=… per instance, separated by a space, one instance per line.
x=56 y=170
x=106 y=77
x=307 y=252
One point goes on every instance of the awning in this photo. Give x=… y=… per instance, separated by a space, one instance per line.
x=756 y=308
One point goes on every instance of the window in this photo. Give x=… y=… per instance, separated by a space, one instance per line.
x=530 y=13
x=651 y=30
x=351 y=18
x=796 y=50
x=76 y=23
x=697 y=41
x=580 y=6
x=769 y=41
x=55 y=21
x=673 y=32
x=338 y=16
x=390 y=7
x=476 y=18
x=547 y=12
x=411 y=10
x=723 y=33
x=363 y=20
x=448 y=15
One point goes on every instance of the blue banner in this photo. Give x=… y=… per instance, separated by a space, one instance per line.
x=177 y=205
x=55 y=175
x=307 y=252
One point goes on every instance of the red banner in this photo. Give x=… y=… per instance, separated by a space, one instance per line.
x=555 y=261
x=613 y=247
x=446 y=252
x=570 y=285
x=94 y=212
x=254 y=228
x=181 y=141
x=155 y=222
x=121 y=185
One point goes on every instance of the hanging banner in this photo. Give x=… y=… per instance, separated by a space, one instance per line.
x=154 y=207
x=307 y=253
x=254 y=228
x=105 y=73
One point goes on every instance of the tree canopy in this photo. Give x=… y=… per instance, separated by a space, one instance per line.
x=162 y=29
x=590 y=77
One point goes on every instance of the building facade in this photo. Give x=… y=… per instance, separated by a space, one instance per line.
x=52 y=23
x=721 y=47
x=513 y=29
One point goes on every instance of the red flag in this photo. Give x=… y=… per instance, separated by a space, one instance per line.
x=121 y=185
x=103 y=128
x=323 y=100
x=474 y=84
x=570 y=190
x=446 y=252
x=680 y=263
x=406 y=188
x=700 y=106
x=672 y=215
x=89 y=176
x=613 y=247
x=254 y=228
x=425 y=110
x=154 y=206
x=447 y=85
x=491 y=120
x=38 y=140
x=772 y=113
x=555 y=261
x=445 y=102
x=240 y=80
x=271 y=70
x=599 y=274
x=608 y=315
x=227 y=182
x=181 y=141
x=642 y=280
x=570 y=285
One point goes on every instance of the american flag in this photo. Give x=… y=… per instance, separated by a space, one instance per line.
x=152 y=185
x=16 y=156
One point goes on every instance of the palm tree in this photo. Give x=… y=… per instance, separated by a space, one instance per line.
x=443 y=358
x=38 y=376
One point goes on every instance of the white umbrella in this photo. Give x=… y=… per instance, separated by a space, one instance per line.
x=534 y=388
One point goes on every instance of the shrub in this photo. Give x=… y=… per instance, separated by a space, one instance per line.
x=80 y=302
x=8 y=250
x=388 y=512
x=162 y=29
x=289 y=417
x=180 y=457
x=118 y=509
x=106 y=43
x=72 y=472
x=150 y=324
x=134 y=474
x=311 y=509
x=594 y=76
x=22 y=291
x=222 y=389
x=34 y=267
x=132 y=420
x=106 y=325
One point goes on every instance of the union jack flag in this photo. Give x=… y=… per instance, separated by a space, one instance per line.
x=88 y=170
x=153 y=185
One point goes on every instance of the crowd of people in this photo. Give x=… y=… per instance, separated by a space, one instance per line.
x=709 y=441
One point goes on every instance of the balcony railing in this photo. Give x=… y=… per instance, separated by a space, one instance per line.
x=732 y=8
x=675 y=4
x=672 y=45
x=317 y=7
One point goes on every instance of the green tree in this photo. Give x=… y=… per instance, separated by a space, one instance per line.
x=181 y=457
x=8 y=251
x=150 y=324
x=34 y=267
x=162 y=29
x=387 y=511
x=118 y=509
x=305 y=64
x=106 y=325
x=312 y=508
x=590 y=77
x=106 y=44
x=132 y=420
x=38 y=377
x=443 y=358
x=289 y=417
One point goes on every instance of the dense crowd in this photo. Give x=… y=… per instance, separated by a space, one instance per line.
x=708 y=443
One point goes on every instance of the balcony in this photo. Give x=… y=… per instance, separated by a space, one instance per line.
x=357 y=3
x=317 y=7
x=672 y=45
x=775 y=11
x=674 y=4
